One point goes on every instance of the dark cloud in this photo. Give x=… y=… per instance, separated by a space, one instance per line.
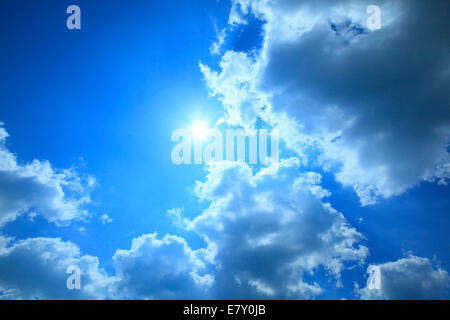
x=375 y=103
x=267 y=232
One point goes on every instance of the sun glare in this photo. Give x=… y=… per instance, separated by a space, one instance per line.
x=199 y=130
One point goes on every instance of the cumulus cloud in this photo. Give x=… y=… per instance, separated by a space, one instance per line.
x=375 y=104
x=266 y=233
x=152 y=268
x=105 y=219
x=161 y=269
x=57 y=195
x=409 y=278
x=36 y=269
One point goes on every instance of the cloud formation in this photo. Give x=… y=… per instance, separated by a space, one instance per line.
x=266 y=233
x=374 y=103
x=329 y=85
x=36 y=268
x=268 y=236
x=37 y=188
x=161 y=269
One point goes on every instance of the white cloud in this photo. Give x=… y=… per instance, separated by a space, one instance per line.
x=57 y=195
x=265 y=233
x=409 y=278
x=36 y=269
x=377 y=113
x=232 y=86
x=105 y=219
x=161 y=269
x=279 y=221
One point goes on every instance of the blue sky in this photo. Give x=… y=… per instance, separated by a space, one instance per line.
x=364 y=115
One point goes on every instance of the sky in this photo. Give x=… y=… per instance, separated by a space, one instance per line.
x=86 y=137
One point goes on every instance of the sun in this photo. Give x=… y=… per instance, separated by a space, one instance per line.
x=199 y=130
